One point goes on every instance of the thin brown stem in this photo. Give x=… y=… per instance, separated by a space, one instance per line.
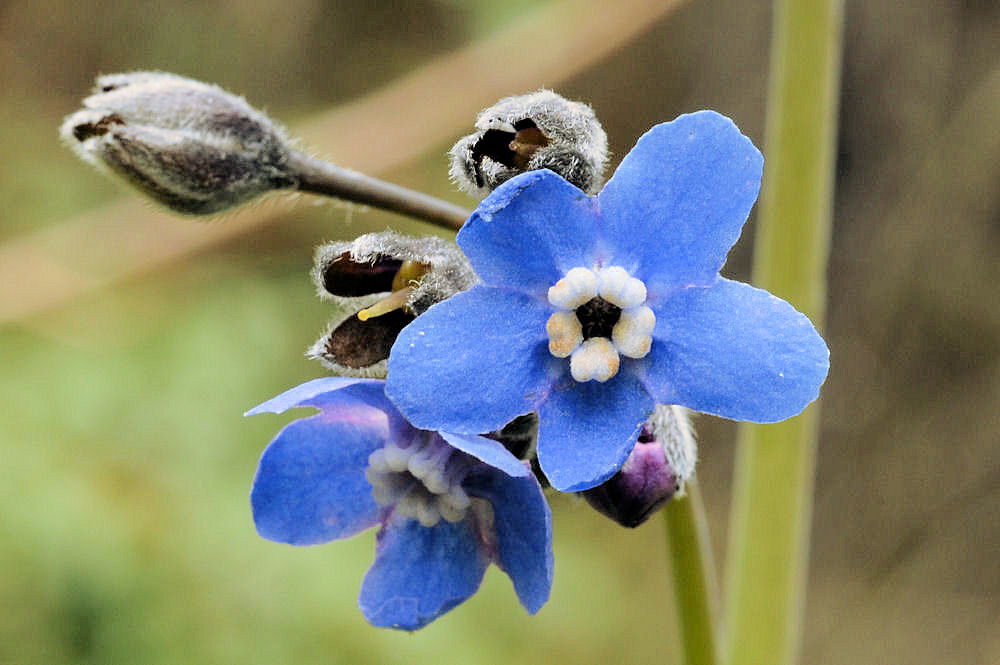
x=319 y=177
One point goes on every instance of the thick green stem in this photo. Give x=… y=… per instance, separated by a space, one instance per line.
x=772 y=500
x=695 y=587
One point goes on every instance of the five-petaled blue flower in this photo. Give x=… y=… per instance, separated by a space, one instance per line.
x=594 y=309
x=449 y=504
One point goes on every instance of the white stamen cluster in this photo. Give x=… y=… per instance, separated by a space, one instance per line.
x=597 y=358
x=422 y=481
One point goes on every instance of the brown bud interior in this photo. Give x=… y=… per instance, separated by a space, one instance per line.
x=526 y=142
x=512 y=149
x=356 y=343
x=349 y=278
x=100 y=128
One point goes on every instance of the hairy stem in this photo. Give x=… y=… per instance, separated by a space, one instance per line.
x=319 y=177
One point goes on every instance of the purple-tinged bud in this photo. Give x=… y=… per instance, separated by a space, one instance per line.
x=382 y=281
x=188 y=145
x=539 y=130
x=656 y=470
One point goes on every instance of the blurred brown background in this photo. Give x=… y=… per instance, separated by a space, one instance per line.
x=132 y=341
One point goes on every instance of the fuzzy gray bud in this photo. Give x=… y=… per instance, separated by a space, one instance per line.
x=540 y=130
x=657 y=468
x=188 y=145
x=391 y=279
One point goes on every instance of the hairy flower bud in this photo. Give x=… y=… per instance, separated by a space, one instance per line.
x=393 y=279
x=189 y=146
x=657 y=468
x=540 y=130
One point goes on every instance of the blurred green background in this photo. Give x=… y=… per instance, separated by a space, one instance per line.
x=125 y=466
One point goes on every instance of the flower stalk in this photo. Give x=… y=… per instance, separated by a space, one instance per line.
x=320 y=177
x=772 y=499
x=695 y=585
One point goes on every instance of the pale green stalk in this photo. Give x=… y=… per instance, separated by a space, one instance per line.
x=772 y=498
x=695 y=587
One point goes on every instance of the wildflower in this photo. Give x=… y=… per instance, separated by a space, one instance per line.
x=593 y=309
x=656 y=470
x=539 y=130
x=447 y=504
x=382 y=281
x=188 y=145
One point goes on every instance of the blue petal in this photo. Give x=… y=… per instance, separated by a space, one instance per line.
x=305 y=394
x=487 y=450
x=586 y=431
x=310 y=485
x=530 y=232
x=472 y=363
x=420 y=573
x=737 y=352
x=679 y=199
x=340 y=393
x=522 y=524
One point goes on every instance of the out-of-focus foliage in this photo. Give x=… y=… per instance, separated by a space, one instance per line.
x=125 y=467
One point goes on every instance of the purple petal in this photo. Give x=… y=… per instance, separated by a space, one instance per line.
x=420 y=573
x=587 y=430
x=679 y=200
x=472 y=363
x=487 y=450
x=529 y=232
x=522 y=527
x=737 y=352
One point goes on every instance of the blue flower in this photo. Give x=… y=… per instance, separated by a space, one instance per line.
x=447 y=504
x=594 y=309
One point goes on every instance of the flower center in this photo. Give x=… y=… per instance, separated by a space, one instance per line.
x=422 y=480
x=600 y=316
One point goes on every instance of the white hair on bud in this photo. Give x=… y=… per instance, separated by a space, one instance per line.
x=188 y=145
x=671 y=426
x=572 y=144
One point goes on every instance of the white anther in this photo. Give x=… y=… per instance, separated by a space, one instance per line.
x=388 y=488
x=632 y=335
x=619 y=288
x=565 y=333
x=397 y=458
x=595 y=359
x=420 y=464
x=427 y=512
x=384 y=494
x=405 y=508
x=577 y=287
x=377 y=463
x=453 y=505
x=435 y=482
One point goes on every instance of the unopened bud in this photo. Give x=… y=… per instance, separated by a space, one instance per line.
x=383 y=281
x=656 y=470
x=190 y=146
x=540 y=130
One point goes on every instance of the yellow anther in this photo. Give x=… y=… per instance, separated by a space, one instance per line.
x=409 y=273
x=396 y=300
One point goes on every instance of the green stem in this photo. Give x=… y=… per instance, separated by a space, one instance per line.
x=772 y=499
x=695 y=587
